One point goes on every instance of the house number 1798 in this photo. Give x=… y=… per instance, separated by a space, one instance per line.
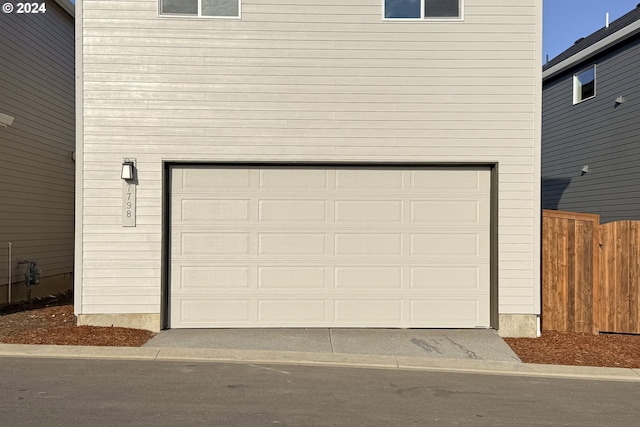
x=128 y=204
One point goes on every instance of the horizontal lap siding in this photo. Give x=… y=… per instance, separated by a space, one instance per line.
x=597 y=133
x=299 y=80
x=36 y=170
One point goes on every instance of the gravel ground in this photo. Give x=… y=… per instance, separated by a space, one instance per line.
x=51 y=321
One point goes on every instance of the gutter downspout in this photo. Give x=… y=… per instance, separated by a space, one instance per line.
x=9 y=287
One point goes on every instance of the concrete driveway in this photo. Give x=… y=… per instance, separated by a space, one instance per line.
x=470 y=344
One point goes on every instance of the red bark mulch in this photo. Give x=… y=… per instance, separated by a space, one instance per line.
x=571 y=348
x=51 y=321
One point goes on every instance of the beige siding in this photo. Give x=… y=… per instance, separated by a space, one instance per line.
x=36 y=168
x=301 y=80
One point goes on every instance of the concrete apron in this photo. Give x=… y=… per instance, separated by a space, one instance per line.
x=467 y=344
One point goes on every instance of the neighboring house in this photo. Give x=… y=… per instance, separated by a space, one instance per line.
x=590 y=126
x=37 y=142
x=309 y=164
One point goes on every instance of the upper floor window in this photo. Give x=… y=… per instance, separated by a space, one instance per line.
x=201 y=8
x=584 y=85
x=423 y=9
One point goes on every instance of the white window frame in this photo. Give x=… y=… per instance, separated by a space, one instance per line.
x=199 y=15
x=577 y=85
x=423 y=18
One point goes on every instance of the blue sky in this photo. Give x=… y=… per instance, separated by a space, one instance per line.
x=565 y=21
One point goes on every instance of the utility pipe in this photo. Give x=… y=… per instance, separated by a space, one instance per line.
x=9 y=288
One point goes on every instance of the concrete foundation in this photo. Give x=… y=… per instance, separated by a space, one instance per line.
x=511 y=325
x=518 y=326
x=50 y=285
x=148 y=321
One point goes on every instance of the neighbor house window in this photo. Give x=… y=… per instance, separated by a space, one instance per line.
x=423 y=9
x=201 y=8
x=584 y=85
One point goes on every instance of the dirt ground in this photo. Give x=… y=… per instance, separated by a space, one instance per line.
x=51 y=321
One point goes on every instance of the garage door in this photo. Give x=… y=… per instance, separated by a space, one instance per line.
x=329 y=247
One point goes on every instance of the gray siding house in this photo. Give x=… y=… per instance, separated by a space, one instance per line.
x=37 y=141
x=590 y=126
x=260 y=163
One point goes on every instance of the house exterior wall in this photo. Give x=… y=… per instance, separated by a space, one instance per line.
x=598 y=133
x=299 y=81
x=36 y=168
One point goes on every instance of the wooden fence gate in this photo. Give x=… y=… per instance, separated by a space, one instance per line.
x=590 y=274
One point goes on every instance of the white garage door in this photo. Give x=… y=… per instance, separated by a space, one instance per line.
x=329 y=247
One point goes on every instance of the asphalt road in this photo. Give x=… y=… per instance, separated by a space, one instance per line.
x=56 y=392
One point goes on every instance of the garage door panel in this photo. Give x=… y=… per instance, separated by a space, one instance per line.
x=292 y=243
x=200 y=312
x=450 y=212
x=463 y=278
x=286 y=179
x=368 y=244
x=286 y=211
x=300 y=311
x=339 y=311
x=362 y=211
x=450 y=180
x=359 y=179
x=292 y=278
x=205 y=211
x=204 y=277
x=198 y=243
x=197 y=178
x=361 y=247
x=461 y=245
x=431 y=279
x=368 y=277
x=368 y=312
x=458 y=312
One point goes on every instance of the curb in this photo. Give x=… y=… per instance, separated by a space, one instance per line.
x=321 y=359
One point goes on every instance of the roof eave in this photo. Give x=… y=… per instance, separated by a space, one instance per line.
x=68 y=7
x=615 y=38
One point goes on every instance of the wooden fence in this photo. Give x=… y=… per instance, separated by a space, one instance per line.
x=590 y=274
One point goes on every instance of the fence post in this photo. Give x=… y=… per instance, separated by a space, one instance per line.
x=596 y=281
